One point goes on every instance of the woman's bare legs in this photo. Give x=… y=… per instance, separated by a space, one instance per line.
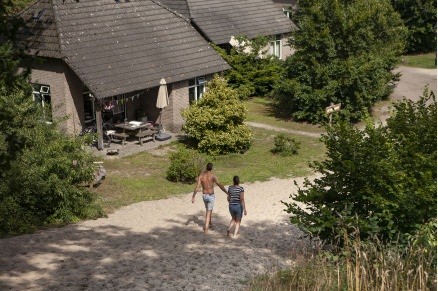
x=236 y=229
x=231 y=226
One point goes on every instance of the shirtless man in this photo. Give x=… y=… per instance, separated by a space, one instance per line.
x=207 y=180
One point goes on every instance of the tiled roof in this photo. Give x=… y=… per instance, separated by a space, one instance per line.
x=221 y=19
x=118 y=48
x=179 y=6
x=41 y=24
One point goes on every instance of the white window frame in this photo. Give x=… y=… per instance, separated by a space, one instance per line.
x=287 y=10
x=41 y=95
x=198 y=87
x=276 y=47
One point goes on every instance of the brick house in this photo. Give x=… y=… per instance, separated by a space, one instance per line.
x=102 y=52
x=221 y=20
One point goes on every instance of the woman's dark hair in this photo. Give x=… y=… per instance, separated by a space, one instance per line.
x=236 y=180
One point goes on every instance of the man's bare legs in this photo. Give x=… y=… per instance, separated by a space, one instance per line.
x=234 y=221
x=207 y=220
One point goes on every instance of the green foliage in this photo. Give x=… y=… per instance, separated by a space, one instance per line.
x=40 y=168
x=215 y=123
x=386 y=175
x=185 y=166
x=251 y=74
x=18 y=5
x=420 y=19
x=40 y=184
x=359 y=265
x=345 y=53
x=285 y=146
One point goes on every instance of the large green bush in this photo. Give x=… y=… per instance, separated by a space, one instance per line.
x=346 y=52
x=185 y=166
x=215 y=123
x=386 y=175
x=40 y=183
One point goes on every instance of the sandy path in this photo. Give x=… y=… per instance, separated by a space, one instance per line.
x=156 y=245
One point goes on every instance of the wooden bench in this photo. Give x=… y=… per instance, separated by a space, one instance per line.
x=146 y=133
x=120 y=135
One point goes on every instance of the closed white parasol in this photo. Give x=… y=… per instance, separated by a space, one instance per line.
x=162 y=102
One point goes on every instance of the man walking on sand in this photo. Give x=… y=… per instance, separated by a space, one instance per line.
x=207 y=180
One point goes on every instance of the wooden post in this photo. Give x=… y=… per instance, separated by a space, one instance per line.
x=99 y=130
x=332 y=108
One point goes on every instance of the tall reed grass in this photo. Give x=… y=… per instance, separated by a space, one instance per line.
x=359 y=265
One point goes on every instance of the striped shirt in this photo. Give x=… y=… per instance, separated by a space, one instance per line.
x=235 y=194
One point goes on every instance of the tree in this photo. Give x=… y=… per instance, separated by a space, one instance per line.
x=253 y=73
x=41 y=169
x=215 y=123
x=420 y=19
x=384 y=175
x=345 y=53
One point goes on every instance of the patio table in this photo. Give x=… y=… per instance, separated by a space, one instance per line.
x=143 y=129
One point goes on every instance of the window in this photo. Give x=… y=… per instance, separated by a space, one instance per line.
x=276 y=46
x=89 y=112
x=41 y=95
x=196 y=89
x=287 y=10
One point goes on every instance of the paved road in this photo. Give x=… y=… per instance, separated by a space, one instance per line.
x=411 y=86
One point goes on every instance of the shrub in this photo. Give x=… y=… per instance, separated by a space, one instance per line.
x=185 y=166
x=359 y=265
x=215 y=124
x=285 y=146
x=346 y=52
x=384 y=175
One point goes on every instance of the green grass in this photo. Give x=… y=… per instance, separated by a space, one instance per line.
x=142 y=177
x=426 y=61
x=260 y=110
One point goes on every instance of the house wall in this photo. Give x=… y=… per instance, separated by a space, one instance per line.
x=148 y=101
x=178 y=100
x=65 y=90
x=286 y=49
x=67 y=98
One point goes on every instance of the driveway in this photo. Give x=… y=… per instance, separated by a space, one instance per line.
x=411 y=86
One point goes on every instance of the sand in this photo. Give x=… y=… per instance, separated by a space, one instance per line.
x=157 y=245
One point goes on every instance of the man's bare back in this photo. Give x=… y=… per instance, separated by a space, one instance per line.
x=207 y=180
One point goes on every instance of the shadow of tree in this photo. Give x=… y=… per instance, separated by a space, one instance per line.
x=78 y=257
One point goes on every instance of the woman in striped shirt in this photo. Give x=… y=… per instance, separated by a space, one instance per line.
x=236 y=205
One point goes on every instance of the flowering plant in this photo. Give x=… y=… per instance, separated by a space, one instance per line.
x=108 y=106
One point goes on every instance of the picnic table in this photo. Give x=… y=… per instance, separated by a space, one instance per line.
x=141 y=129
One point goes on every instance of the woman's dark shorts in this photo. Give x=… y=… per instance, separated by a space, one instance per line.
x=236 y=210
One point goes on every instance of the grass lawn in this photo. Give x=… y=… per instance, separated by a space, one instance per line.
x=260 y=110
x=426 y=61
x=142 y=176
